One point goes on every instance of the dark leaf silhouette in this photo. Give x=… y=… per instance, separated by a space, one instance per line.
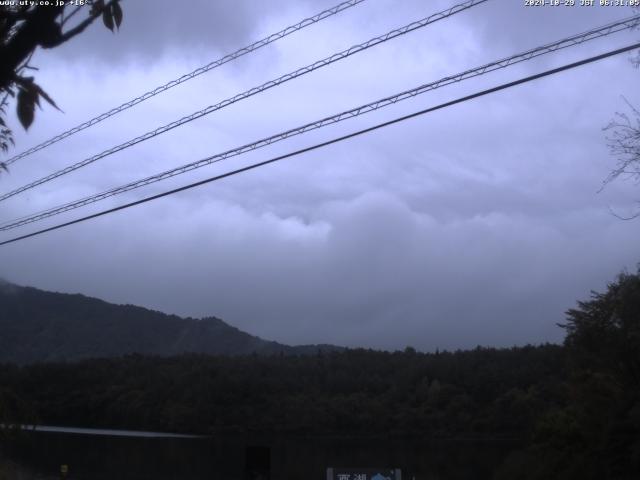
x=107 y=18
x=18 y=39
x=27 y=99
x=117 y=13
x=46 y=96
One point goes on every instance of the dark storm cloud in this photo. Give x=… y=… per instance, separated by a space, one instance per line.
x=152 y=29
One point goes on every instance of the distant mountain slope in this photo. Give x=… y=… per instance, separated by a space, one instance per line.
x=40 y=326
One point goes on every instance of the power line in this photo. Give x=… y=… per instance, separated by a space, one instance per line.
x=253 y=91
x=199 y=71
x=332 y=141
x=378 y=104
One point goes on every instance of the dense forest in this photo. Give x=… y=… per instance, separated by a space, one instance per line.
x=354 y=392
x=574 y=409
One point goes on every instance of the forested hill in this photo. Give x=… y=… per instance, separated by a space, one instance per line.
x=40 y=326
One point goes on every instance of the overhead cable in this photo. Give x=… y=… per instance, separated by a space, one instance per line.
x=360 y=110
x=253 y=91
x=198 y=71
x=330 y=142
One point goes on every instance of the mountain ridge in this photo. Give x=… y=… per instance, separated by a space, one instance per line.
x=43 y=326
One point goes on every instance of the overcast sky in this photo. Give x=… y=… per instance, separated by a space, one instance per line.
x=477 y=224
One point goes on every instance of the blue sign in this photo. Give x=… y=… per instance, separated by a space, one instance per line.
x=363 y=474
